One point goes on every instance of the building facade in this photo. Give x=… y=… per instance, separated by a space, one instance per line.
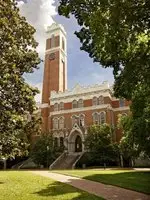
x=69 y=113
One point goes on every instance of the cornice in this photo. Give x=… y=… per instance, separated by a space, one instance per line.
x=103 y=106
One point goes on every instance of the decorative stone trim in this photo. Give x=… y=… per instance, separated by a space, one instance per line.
x=103 y=106
x=44 y=105
x=121 y=108
x=74 y=110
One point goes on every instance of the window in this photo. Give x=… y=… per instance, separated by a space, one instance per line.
x=81 y=120
x=74 y=104
x=56 y=107
x=63 y=44
x=61 y=123
x=61 y=106
x=95 y=118
x=74 y=119
x=94 y=101
x=101 y=100
x=121 y=103
x=80 y=103
x=102 y=117
x=53 y=41
x=124 y=114
x=55 y=123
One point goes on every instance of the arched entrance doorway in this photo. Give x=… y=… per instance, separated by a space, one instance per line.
x=78 y=144
x=75 y=141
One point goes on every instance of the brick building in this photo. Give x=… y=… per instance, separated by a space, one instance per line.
x=68 y=113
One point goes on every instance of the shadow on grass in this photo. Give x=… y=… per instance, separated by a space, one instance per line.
x=69 y=192
x=138 y=181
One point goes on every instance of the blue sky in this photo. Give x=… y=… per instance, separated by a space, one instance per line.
x=81 y=68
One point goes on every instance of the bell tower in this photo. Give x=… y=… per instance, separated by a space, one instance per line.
x=55 y=67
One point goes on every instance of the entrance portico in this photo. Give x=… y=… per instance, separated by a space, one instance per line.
x=75 y=140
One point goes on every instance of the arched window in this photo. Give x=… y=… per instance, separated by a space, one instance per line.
x=61 y=123
x=53 y=41
x=81 y=120
x=102 y=117
x=101 y=100
x=80 y=103
x=55 y=141
x=74 y=104
x=121 y=103
x=55 y=123
x=94 y=101
x=74 y=119
x=96 y=118
x=56 y=107
x=61 y=106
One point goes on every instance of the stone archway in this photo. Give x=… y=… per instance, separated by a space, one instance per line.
x=75 y=142
x=78 y=144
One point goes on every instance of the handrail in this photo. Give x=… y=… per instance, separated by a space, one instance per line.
x=59 y=158
x=74 y=164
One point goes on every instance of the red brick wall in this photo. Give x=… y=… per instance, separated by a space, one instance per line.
x=51 y=77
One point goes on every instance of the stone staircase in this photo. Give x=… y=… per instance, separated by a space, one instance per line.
x=65 y=161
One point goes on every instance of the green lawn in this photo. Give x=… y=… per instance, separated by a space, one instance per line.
x=134 y=180
x=26 y=186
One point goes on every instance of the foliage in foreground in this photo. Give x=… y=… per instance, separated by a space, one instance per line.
x=100 y=146
x=117 y=34
x=18 y=57
x=44 y=151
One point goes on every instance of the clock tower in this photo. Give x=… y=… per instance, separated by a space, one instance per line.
x=55 y=68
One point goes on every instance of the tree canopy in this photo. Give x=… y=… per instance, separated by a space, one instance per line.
x=18 y=57
x=99 y=143
x=116 y=33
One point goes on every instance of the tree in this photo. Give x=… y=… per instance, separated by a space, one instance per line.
x=99 y=143
x=128 y=148
x=44 y=151
x=141 y=118
x=116 y=34
x=18 y=57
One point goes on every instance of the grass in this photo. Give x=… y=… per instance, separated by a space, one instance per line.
x=20 y=185
x=129 y=179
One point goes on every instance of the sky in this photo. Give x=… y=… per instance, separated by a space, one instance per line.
x=81 y=69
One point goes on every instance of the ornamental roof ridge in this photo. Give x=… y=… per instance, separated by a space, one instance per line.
x=55 y=26
x=78 y=89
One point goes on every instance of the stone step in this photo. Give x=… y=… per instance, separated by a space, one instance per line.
x=67 y=161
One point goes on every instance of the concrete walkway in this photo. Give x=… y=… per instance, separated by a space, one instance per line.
x=108 y=192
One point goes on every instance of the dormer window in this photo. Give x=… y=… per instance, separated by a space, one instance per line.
x=74 y=104
x=56 y=107
x=61 y=106
x=101 y=100
x=94 y=101
x=121 y=103
x=80 y=103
